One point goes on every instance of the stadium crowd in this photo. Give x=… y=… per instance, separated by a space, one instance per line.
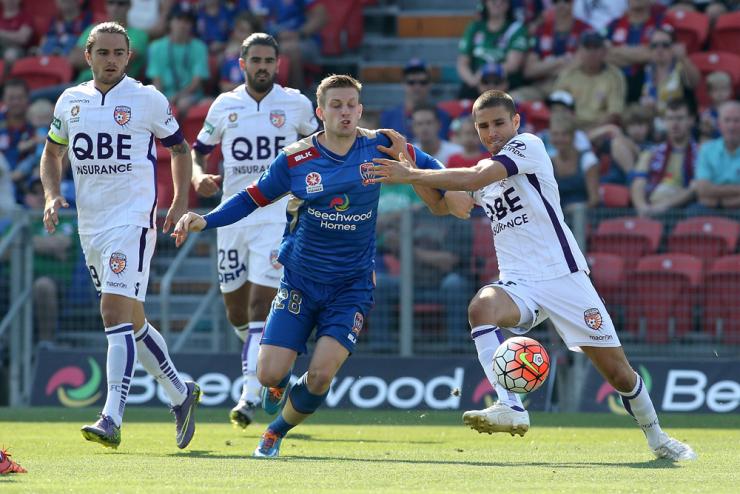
x=635 y=106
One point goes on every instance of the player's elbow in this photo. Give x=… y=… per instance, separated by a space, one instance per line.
x=438 y=208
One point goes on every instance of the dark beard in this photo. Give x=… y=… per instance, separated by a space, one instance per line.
x=260 y=87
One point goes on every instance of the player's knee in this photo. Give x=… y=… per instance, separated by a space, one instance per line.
x=259 y=309
x=319 y=380
x=482 y=310
x=268 y=376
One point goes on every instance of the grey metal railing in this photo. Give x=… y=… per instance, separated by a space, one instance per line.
x=165 y=290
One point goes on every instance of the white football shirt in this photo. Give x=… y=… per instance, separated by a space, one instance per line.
x=252 y=134
x=530 y=235
x=110 y=139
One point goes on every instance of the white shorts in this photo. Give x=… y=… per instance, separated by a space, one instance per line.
x=118 y=259
x=570 y=302
x=249 y=254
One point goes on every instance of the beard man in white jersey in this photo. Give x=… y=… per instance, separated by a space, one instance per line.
x=252 y=123
x=543 y=272
x=107 y=127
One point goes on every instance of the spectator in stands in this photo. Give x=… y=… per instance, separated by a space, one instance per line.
x=599 y=88
x=664 y=176
x=296 y=25
x=8 y=206
x=66 y=28
x=426 y=124
x=719 y=7
x=562 y=105
x=16 y=30
x=718 y=167
x=625 y=148
x=40 y=114
x=492 y=77
x=14 y=126
x=553 y=48
x=117 y=11
x=178 y=63
x=53 y=262
x=630 y=37
x=719 y=89
x=670 y=74
x=530 y=12
x=417 y=83
x=150 y=16
x=231 y=74
x=599 y=13
x=466 y=136
x=497 y=37
x=576 y=172
x=213 y=24
x=441 y=256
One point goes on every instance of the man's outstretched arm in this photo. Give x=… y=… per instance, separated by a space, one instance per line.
x=399 y=172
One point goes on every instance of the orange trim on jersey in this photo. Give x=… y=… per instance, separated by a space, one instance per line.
x=257 y=196
x=302 y=156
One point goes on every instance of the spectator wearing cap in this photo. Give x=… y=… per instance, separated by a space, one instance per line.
x=497 y=37
x=492 y=77
x=630 y=38
x=664 y=176
x=718 y=167
x=178 y=62
x=670 y=74
x=16 y=30
x=426 y=131
x=296 y=25
x=65 y=28
x=552 y=49
x=417 y=84
x=598 y=88
x=562 y=105
x=116 y=11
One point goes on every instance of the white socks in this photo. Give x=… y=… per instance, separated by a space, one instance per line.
x=638 y=403
x=251 y=385
x=155 y=358
x=487 y=339
x=119 y=369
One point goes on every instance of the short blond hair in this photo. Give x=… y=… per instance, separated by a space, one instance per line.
x=336 y=81
x=719 y=78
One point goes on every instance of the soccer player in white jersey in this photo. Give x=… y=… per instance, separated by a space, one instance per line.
x=543 y=272
x=253 y=122
x=107 y=127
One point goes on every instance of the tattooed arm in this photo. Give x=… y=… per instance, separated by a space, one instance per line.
x=182 y=168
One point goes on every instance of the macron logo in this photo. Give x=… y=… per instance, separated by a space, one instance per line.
x=298 y=158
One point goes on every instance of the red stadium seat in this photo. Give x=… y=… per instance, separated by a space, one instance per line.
x=705 y=237
x=708 y=62
x=608 y=275
x=629 y=237
x=536 y=114
x=42 y=71
x=662 y=291
x=484 y=265
x=193 y=121
x=692 y=28
x=721 y=294
x=345 y=22
x=614 y=195
x=456 y=107
x=726 y=32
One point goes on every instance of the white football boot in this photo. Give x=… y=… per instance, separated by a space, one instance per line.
x=498 y=418
x=674 y=450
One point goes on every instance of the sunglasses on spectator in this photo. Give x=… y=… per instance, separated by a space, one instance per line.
x=661 y=44
x=417 y=82
x=120 y=3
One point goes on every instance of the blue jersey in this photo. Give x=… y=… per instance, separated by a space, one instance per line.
x=330 y=234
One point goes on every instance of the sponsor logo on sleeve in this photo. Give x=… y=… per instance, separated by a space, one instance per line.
x=208 y=128
x=56 y=123
x=232 y=117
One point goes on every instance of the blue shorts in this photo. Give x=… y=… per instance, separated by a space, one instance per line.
x=301 y=304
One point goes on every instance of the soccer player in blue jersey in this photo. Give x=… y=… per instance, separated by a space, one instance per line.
x=328 y=249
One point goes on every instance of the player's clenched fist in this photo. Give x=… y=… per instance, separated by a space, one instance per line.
x=190 y=222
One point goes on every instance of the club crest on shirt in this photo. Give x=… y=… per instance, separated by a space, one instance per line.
x=122 y=115
x=117 y=262
x=277 y=118
x=593 y=319
x=366 y=172
x=313 y=183
x=274 y=259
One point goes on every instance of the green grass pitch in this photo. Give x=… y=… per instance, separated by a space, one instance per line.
x=366 y=451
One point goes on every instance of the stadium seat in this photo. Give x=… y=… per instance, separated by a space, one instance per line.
x=614 y=195
x=708 y=62
x=721 y=295
x=42 y=71
x=608 y=275
x=193 y=121
x=484 y=265
x=432 y=26
x=536 y=114
x=629 y=237
x=692 y=28
x=456 y=107
x=726 y=33
x=660 y=302
x=705 y=237
x=345 y=24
